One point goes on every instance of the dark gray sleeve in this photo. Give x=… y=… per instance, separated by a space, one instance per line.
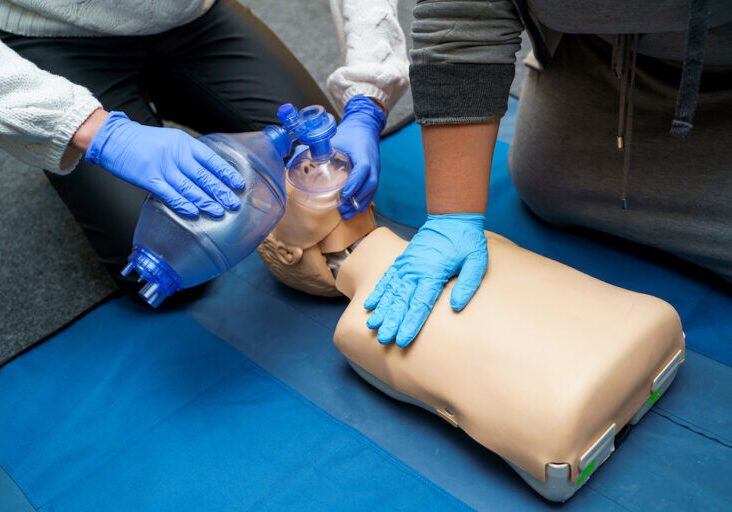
x=463 y=59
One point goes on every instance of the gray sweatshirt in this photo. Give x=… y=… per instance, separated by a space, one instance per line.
x=464 y=50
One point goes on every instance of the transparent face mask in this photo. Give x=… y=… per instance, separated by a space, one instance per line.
x=318 y=174
x=317 y=184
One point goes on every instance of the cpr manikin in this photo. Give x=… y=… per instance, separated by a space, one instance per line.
x=545 y=366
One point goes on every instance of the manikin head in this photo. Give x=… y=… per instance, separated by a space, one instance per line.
x=308 y=245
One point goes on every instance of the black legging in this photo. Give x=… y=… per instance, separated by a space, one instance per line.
x=224 y=72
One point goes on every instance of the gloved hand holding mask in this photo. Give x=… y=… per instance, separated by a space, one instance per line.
x=358 y=138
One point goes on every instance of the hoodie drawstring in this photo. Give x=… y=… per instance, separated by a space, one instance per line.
x=688 y=95
x=625 y=52
x=624 y=57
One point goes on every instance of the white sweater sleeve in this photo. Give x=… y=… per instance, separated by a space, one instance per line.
x=374 y=52
x=39 y=113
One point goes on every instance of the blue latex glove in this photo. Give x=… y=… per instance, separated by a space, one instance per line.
x=183 y=172
x=358 y=138
x=445 y=246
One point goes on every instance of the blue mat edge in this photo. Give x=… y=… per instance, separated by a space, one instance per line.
x=12 y=497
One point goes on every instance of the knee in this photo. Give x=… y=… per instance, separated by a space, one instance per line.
x=534 y=187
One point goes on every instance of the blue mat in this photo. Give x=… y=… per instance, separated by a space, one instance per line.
x=673 y=458
x=131 y=409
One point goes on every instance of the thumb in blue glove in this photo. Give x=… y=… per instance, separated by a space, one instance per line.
x=358 y=137
x=183 y=172
x=445 y=246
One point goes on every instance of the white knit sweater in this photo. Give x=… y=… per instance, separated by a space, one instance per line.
x=40 y=112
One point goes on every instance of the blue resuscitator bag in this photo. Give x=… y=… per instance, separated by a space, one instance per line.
x=171 y=252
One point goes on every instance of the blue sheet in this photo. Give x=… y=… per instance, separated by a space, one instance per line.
x=131 y=409
x=134 y=410
x=676 y=456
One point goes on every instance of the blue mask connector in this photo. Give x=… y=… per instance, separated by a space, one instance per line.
x=312 y=126
x=162 y=280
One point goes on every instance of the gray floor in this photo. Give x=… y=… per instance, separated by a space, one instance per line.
x=49 y=274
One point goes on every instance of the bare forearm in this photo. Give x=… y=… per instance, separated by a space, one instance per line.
x=85 y=133
x=458 y=166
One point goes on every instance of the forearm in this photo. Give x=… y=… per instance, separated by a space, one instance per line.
x=39 y=113
x=463 y=65
x=458 y=166
x=85 y=133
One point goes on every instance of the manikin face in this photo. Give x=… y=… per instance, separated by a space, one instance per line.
x=306 y=248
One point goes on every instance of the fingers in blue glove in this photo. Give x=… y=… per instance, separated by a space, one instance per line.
x=211 y=185
x=423 y=300
x=218 y=166
x=349 y=207
x=174 y=199
x=469 y=279
x=358 y=189
x=384 y=304
x=398 y=307
x=375 y=296
x=357 y=203
x=379 y=313
x=198 y=197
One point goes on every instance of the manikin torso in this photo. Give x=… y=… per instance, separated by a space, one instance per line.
x=542 y=361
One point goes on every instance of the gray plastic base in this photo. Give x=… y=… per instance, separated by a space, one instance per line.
x=557 y=485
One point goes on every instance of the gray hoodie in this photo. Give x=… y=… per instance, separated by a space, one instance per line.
x=464 y=50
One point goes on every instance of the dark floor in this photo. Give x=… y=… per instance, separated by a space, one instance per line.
x=48 y=274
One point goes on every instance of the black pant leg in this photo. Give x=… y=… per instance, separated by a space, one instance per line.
x=225 y=71
x=228 y=72
x=106 y=207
